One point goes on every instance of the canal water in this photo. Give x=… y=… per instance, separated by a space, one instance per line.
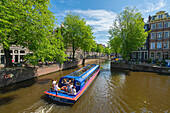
x=113 y=91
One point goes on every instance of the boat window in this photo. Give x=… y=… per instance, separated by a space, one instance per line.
x=64 y=80
x=77 y=83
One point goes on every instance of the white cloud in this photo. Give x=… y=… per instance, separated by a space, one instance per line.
x=102 y=40
x=154 y=6
x=101 y=20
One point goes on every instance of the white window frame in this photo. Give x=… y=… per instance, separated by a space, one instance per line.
x=159 y=36
x=153 y=55
x=168 y=24
x=153 y=37
x=159 y=16
x=159 y=45
x=134 y=55
x=152 y=45
x=166 y=36
x=166 y=46
x=159 y=25
x=159 y=54
x=153 y=25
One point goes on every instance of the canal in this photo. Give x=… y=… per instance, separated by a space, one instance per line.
x=113 y=91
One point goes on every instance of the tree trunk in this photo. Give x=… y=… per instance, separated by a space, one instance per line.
x=73 y=54
x=8 y=60
x=83 y=62
x=116 y=55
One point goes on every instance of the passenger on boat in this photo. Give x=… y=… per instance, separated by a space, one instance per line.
x=67 y=84
x=72 y=85
x=69 y=88
x=56 y=88
x=53 y=83
x=72 y=80
x=73 y=91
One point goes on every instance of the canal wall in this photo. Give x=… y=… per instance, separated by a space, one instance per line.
x=24 y=73
x=138 y=67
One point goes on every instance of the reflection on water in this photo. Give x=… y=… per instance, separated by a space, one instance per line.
x=113 y=90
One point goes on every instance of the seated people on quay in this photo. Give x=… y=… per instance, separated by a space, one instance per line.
x=73 y=91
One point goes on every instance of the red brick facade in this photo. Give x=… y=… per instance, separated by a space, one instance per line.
x=159 y=40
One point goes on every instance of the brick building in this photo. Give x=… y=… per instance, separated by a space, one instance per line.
x=159 y=36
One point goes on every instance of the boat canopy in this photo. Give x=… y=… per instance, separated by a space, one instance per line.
x=81 y=74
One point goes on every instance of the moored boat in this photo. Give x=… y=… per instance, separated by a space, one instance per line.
x=81 y=79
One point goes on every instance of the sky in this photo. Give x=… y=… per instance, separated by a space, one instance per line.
x=100 y=14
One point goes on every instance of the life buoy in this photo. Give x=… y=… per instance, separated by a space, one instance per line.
x=6 y=76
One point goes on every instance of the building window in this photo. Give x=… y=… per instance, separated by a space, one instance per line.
x=160 y=25
x=166 y=34
x=16 y=51
x=152 y=55
x=2 y=59
x=153 y=35
x=158 y=54
x=159 y=45
x=167 y=24
x=160 y=16
x=153 y=18
x=166 y=45
x=159 y=35
x=133 y=55
x=152 y=45
x=2 y=51
x=165 y=55
x=153 y=26
x=22 y=51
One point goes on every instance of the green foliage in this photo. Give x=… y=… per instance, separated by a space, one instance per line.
x=128 y=27
x=88 y=40
x=163 y=63
x=29 y=23
x=99 y=49
x=115 y=44
x=149 y=61
x=77 y=34
x=107 y=50
x=94 y=47
x=156 y=60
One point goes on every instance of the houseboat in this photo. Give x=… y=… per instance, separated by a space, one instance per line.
x=80 y=79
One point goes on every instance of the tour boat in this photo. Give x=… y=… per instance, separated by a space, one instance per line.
x=81 y=79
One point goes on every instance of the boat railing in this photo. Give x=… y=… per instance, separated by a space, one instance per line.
x=64 y=92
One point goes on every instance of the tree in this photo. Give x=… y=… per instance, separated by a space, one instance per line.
x=94 y=48
x=128 y=27
x=115 y=45
x=77 y=34
x=99 y=49
x=107 y=51
x=29 y=23
x=87 y=39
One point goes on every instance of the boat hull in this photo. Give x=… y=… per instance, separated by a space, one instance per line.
x=71 y=99
x=61 y=100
